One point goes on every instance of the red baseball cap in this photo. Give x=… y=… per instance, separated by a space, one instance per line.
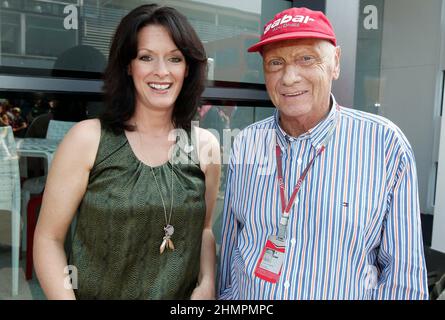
x=296 y=23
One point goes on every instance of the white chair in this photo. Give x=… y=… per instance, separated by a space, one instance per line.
x=56 y=131
x=10 y=196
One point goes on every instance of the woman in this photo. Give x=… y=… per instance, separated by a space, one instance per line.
x=144 y=223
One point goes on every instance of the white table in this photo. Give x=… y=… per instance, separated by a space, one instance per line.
x=36 y=147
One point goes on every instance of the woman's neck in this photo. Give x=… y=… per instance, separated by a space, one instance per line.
x=154 y=122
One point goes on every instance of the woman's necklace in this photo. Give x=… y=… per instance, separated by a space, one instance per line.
x=168 y=229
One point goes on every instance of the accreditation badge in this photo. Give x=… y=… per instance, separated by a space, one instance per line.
x=271 y=260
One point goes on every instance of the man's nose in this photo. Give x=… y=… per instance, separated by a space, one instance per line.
x=292 y=74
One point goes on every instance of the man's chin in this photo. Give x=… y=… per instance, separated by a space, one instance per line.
x=293 y=111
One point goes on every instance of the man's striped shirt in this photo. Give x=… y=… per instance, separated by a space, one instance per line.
x=354 y=231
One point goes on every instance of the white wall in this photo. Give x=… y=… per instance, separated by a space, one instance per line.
x=410 y=60
x=438 y=241
x=343 y=15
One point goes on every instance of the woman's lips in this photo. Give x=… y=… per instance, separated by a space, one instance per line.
x=160 y=86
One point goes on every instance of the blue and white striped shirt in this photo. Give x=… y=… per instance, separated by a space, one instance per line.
x=354 y=231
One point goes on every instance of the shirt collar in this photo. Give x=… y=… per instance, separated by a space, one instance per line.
x=316 y=135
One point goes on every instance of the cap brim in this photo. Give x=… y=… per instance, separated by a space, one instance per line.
x=289 y=36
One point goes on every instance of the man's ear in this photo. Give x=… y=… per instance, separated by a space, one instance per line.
x=336 y=72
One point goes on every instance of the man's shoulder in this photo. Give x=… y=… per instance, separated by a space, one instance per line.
x=370 y=120
x=258 y=133
x=393 y=135
x=267 y=123
x=363 y=116
x=253 y=130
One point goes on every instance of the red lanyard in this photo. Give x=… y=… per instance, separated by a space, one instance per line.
x=282 y=226
x=286 y=209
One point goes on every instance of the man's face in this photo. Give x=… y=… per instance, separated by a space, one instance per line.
x=299 y=74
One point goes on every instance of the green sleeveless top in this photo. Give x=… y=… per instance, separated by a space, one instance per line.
x=121 y=219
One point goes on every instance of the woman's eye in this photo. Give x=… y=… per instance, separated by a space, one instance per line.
x=176 y=59
x=145 y=58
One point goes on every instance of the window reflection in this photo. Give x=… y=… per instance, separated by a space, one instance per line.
x=35 y=33
x=45 y=37
x=10 y=26
x=29 y=116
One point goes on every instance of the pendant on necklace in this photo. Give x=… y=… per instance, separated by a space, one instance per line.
x=166 y=241
x=169 y=230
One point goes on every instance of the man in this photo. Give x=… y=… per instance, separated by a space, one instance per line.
x=321 y=200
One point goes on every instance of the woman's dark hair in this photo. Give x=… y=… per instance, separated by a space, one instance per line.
x=119 y=90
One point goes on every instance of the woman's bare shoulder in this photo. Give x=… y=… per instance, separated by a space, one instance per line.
x=82 y=141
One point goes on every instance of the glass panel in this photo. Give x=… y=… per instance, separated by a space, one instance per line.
x=368 y=64
x=45 y=37
x=10 y=32
x=36 y=34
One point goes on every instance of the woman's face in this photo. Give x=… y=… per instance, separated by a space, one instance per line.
x=159 y=69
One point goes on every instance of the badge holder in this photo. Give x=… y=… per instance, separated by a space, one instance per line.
x=271 y=260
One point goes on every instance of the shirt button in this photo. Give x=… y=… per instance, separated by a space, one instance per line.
x=287 y=284
x=292 y=242
x=299 y=161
